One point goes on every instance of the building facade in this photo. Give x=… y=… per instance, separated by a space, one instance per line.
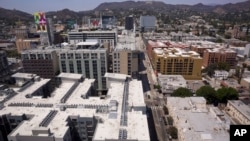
x=44 y=63
x=147 y=23
x=4 y=66
x=129 y=23
x=239 y=111
x=26 y=44
x=217 y=55
x=109 y=37
x=88 y=60
x=174 y=61
x=125 y=61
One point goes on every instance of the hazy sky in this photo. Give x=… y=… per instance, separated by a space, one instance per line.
x=32 y=6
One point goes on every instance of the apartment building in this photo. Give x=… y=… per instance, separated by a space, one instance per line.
x=109 y=37
x=175 y=61
x=200 y=49
x=72 y=114
x=88 y=58
x=239 y=111
x=41 y=62
x=217 y=55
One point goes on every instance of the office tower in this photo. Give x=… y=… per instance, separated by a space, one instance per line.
x=147 y=23
x=42 y=62
x=89 y=58
x=175 y=61
x=216 y=55
x=109 y=37
x=4 y=66
x=129 y=23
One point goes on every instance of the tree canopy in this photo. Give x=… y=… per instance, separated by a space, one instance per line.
x=182 y=92
x=222 y=95
x=208 y=93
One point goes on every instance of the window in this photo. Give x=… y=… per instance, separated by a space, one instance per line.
x=79 y=66
x=71 y=67
x=63 y=56
x=40 y=56
x=47 y=56
x=78 y=56
x=32 y=56
x=70 y=55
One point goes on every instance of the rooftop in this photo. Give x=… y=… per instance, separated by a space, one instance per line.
x=80 y=103
x=242 y=107
x=195 y=122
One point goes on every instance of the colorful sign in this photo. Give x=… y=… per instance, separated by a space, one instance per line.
x=40 y=21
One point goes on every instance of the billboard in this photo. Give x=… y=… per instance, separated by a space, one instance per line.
x=40 y=22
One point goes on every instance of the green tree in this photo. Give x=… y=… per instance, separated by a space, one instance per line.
x=173 y=132
x=223 y=66
x=182 y=92
x=208 y=93
x=223 y=94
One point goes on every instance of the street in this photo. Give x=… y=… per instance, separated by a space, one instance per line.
x=153 y=99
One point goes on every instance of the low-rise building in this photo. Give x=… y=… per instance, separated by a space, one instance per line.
x=245 y=82
x=216 y=55
x=221 y=74
x=197 y=121
x=239 y=111
x=169 y=83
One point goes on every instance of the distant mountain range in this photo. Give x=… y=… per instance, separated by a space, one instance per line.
x=140 y=5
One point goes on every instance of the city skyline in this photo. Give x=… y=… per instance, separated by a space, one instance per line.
x=31 y=6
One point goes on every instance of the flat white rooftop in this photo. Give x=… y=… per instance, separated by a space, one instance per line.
x=194 y=121
x=85 y=107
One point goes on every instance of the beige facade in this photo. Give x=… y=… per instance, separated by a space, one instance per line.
x=125 y=61
x=27 y=44
x=175 y=61
x=239 y=111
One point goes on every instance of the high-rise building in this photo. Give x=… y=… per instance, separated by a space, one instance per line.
x=129 y=23
x=175 y=61
x=147 y=23
x=41 y=62
x=89 y=58
x=109 y=37
x=4 y=66
x=216 y=55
